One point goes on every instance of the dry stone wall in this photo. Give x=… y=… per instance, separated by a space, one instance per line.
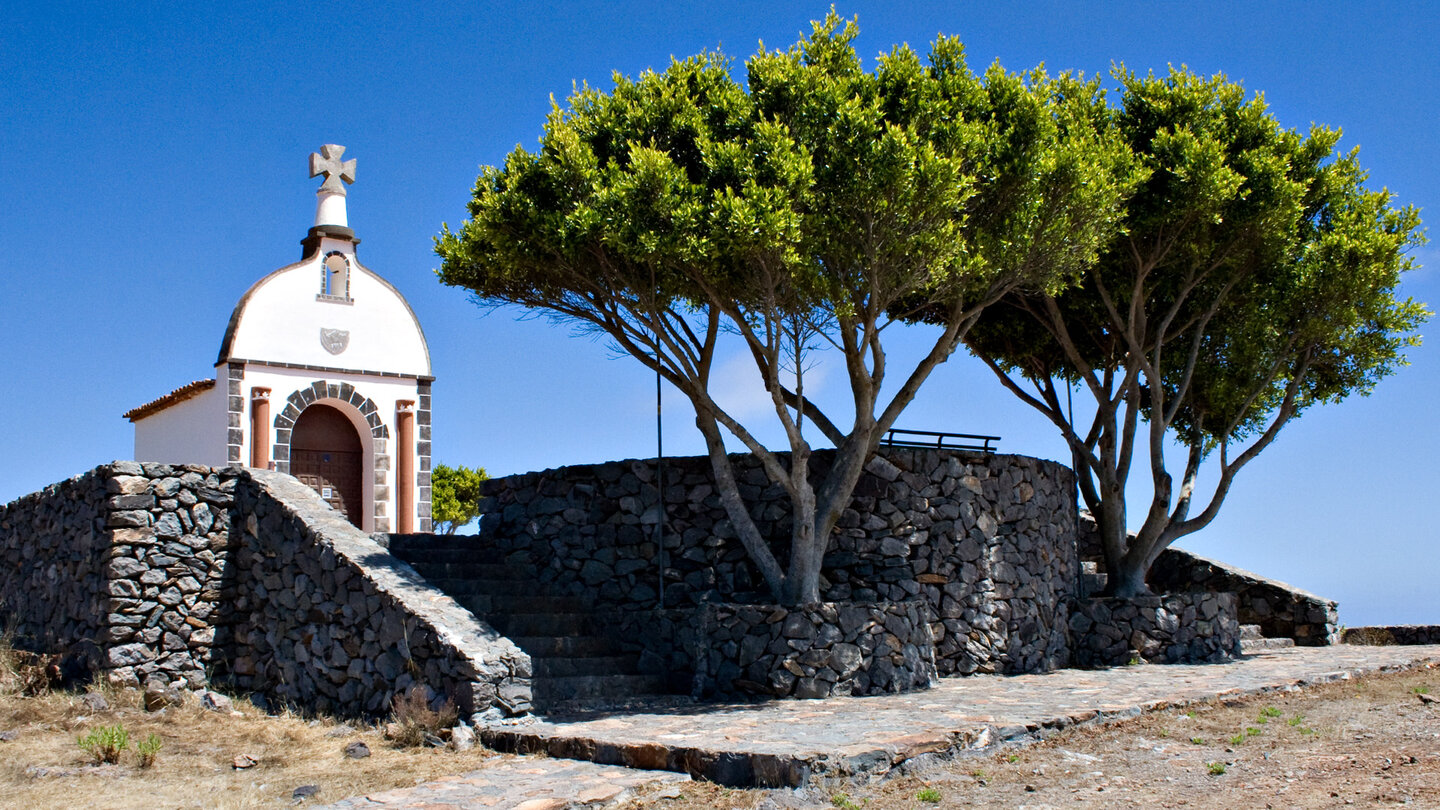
x=1280 y=609
x=987 y=542
x=183 y=573
x=1385 y=635
x=52 y=577
x=327 y=619
x=1174 y=628
x=815 y=651
x=121 y=568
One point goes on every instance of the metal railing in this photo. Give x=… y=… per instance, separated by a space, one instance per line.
x=970 y=442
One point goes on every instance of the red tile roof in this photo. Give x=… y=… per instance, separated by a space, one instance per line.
x=175 y=397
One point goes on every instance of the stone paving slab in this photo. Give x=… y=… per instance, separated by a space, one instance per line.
x=784 y=743
x=508 y=783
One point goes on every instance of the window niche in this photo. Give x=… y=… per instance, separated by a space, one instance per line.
x=335 y=278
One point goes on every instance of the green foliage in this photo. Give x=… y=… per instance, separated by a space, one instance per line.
x=1296 y=720
x=844 y=802
x=1270 y=711
x=1254 y=276
x=1215 y=768
x=929 y=795
x=1197 y=740
x=1251 y=731
x=1420 y=690
x=802 y=212
x=147 y=749
x=106 y=743
x=455 y=496
x=1238 y=739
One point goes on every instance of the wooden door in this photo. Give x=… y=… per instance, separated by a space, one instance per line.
x=325 y=454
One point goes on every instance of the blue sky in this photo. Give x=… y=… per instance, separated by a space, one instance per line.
x=153 y=162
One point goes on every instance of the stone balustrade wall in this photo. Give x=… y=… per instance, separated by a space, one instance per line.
x=986 y=541
x=1174 y=628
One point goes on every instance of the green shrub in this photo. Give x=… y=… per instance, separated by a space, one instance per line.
x=929 y=795
x=106 y=743
x=1215 y=768
x=148 y=749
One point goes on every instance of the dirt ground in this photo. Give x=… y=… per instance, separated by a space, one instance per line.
x=43 y=766
x=1368 y=742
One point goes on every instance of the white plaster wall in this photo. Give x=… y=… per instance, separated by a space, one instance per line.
x=282 y=319
x=190 y=432
x=385 y=392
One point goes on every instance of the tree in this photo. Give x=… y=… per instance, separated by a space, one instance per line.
x=455 y=496
x=1255 y=276
x=795 y=212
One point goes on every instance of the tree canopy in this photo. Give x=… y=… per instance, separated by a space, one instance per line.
x=455 y=496
x=1254 y=276
x=805 y=211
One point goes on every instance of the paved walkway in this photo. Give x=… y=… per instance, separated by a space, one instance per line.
x=783 y=743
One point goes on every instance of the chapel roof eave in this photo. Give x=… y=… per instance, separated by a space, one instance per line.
x=179 y=395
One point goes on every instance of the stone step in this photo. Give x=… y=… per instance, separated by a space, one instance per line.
x=542 y=624
x=1250 y=632
x=482 y=587
x=548 y=691
x=451 y=556
x=485 y=604
x=462 y=571
x=566 y=667
x=567 y=647
x=1254 y=644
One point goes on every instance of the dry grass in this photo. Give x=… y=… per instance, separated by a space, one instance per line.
x=44 y=766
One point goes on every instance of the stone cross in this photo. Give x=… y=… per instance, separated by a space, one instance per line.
x=328 y=163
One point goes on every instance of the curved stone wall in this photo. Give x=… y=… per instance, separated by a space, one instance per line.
x=987 y=542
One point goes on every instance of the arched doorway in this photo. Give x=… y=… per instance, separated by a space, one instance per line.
x=326 y=455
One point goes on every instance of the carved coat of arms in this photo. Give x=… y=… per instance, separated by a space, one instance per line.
x=334 y=340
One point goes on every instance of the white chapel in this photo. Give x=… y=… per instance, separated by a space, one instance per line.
x=323 y=373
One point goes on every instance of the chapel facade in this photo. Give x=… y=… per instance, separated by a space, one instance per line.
x=323 y=373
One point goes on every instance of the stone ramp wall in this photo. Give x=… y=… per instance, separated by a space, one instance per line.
x=1280 y=609
x=326 y=618
x=986 y=541
x=192 y=573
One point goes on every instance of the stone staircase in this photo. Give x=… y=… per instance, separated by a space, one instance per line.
x=1252 y=640
x=574 y=661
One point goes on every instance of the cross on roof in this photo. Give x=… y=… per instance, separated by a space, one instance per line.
x=328 y=163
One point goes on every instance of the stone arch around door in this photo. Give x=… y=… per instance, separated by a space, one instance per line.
x=343 y=397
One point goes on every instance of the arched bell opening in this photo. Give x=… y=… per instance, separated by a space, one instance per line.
x=327 y=454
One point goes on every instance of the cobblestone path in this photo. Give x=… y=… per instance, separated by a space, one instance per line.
x=782 y=743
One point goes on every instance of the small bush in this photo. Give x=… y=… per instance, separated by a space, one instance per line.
x=844 y=802
x=1237 y=739
x=928 y=795
x=106 y=743
x=147 y=749
x=1251 y=731
x=1215 y=768
x=1270 y=711
x=1296 y=720
x=414 y=720
x=1197 y=740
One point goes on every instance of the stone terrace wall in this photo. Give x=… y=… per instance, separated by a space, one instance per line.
x=815 y=651
x=325 y=618
x=1174 y=628
x=122 y=567
x=52 y=580
x=1281 y=610
x=986 y=541
x=181 y=572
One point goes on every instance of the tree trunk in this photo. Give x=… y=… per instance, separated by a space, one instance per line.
x=1127 y=580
